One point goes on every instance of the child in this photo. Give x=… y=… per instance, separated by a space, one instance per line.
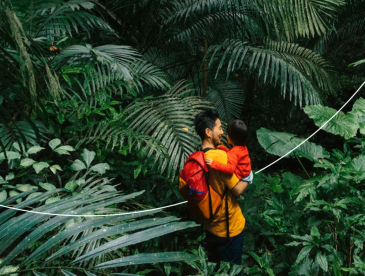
x=238 y=160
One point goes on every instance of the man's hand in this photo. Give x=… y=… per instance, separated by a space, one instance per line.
x=208 y=161
x=239 y=188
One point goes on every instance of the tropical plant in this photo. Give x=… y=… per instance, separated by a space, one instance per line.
x=86 y=214
x=293 y=208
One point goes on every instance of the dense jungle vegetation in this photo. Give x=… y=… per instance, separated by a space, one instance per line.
x=97 y=100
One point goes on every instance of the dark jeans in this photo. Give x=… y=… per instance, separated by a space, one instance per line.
x=224 y=249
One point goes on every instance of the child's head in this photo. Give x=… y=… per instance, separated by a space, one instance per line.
x=237 y=132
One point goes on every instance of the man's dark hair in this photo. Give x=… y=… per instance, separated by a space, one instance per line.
x=205 y=120
x=238 y=134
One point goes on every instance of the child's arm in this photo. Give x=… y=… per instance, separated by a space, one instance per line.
x=221 y=147
x=229 y=168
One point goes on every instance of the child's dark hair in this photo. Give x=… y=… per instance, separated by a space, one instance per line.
x=238 y=133
x=205 y=120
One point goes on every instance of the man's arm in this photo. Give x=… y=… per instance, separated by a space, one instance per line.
x=239 y=188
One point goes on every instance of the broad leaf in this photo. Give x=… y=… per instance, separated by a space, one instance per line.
x=321 y=260
x=88 y=156
x=26 y=187
x=78 y=165
x=10 y=155
x=280 y=143
x=47 y=186
x=64 y=150
x=341 y=124
x=358 y=109
x=55 y=168
x=71 y=185
x=34 y=149
x=52 y=199
x=54 y=143
x=100 y=168
x=26 y=162
x=303 y=253
x=3 y=196
x=38 y=167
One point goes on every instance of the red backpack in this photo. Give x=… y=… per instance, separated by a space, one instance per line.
x=203 y=201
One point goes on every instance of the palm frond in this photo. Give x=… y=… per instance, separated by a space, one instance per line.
x=118 y=135
x=175 y=65
x=78 y=232
x=116 y=57
x=147 y=74
x=286 y=19
x=22 y=132
x=299 y=70
x=171 y=125
x=57 y=18
x=228 y=99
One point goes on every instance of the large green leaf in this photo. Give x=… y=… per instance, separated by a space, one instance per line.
x=280 y=143
x=303 y=253
x=321 y=260
x=10 y=231
x=101 y=233
x=149 y=258
x=342 y=124
x=358 y=110
x=135 y=239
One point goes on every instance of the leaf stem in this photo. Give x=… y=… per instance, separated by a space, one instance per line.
x=303 y=166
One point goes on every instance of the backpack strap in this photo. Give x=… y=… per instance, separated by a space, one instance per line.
x=227 y=214
x=210 y=199
x=207 y=179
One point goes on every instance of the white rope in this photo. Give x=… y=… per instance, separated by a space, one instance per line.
x=110 y=215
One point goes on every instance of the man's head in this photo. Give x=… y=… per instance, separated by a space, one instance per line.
x=209 y=127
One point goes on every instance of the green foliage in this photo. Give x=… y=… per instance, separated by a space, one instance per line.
x=342 y=124
x=118 y=83
x=299 y=70
x=319 y=217
x=279 y=143
x=87 y=222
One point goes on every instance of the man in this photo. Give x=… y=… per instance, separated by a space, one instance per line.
x=220 y=246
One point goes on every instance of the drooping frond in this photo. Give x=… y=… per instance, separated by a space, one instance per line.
x=57 y=18
x=87 y=237
x=147 y=74
x=116 y=57
x=228 y=99
x=191 y=21
x=171 y=124
x=118 y=135
x=175 y=65
x=23 y=133
x=299 y=70
x=287 y=19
